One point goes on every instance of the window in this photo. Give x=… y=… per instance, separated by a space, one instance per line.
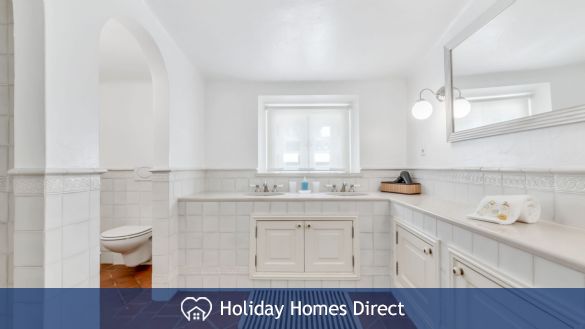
x=308 y=134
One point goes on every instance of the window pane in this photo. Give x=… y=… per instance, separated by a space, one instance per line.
x=287 y=140
x=308 y=139
x=328 y=135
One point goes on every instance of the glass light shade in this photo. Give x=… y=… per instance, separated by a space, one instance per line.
x=461 y=108
x=422 y=110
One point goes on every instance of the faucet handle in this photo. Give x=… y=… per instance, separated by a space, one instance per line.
x=256 y=187
x=333 y=187
x=276 y=187
x=353 y=186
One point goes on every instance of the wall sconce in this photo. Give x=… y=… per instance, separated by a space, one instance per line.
x=423 y=109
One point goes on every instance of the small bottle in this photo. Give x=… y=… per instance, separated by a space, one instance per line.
x=292 y=186
x=316 y=186
x=304 y=184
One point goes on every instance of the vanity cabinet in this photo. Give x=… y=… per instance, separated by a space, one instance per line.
x=298 y=247
x=417 y=259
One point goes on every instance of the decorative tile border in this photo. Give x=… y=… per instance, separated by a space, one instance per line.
x=76 y=184
x=4 y=184
x=544 y=180
x=54 y=184
x=570 y=183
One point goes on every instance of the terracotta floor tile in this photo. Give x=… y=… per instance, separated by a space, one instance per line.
x=120 y=276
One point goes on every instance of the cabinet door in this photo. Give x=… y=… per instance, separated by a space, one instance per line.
x=280 y=246
x=329 y=246
x=416 y=261
x=465 y=277
x=496 y=308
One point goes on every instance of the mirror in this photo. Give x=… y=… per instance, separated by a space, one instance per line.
x=520 y=66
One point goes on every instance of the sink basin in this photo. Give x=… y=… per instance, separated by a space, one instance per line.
x=265 y=193
x=346 y=193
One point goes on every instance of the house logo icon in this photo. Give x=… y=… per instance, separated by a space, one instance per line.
x=196 y=309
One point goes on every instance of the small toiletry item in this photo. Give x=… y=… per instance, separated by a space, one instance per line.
x=292 y=187
x=304 y=184
x=316 y=186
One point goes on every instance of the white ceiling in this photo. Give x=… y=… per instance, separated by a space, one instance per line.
x=529 y=35
x=305 y=39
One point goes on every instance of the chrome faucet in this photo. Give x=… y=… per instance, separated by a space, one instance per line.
x=333 y=187
x=265 y=187
x=343 y=187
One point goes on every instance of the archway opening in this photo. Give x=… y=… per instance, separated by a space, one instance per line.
x=133 y=95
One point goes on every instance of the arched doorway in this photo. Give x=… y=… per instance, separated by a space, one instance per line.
x=133 y=109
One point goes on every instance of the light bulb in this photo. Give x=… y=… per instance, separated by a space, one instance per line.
x=461 y=108
x=422 y=110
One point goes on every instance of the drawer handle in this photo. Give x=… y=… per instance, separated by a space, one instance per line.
x=428 y=251
x=458 y=271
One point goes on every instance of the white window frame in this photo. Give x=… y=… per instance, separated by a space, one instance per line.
x=305 y=101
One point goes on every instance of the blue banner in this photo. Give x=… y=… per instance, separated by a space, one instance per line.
x=292 y=308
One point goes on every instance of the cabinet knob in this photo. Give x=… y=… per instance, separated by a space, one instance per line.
x=458 y=271
x=428 y=251
x=308 y=225
x=299 y=225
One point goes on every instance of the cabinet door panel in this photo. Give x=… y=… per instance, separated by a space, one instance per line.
x=329 y=246
x=280 y=246
x=496 y=308
x=416 y=269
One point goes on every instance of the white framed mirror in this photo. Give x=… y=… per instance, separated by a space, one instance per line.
x=520 y=66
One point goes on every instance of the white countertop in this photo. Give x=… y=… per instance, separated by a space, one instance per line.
x=561 y=244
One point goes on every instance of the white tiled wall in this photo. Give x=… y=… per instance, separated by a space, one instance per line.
x=240 y=180
x=6 y=139
x=214 y=242
x=130 y=199
x=561 y=193
x=126 y=199
x=167 y=188
x=56 y=230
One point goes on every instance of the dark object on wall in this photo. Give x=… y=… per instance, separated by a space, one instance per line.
x=403 y=185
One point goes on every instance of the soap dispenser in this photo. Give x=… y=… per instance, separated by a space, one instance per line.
x=304 y=184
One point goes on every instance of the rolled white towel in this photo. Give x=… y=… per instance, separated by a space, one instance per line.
x=507 y=209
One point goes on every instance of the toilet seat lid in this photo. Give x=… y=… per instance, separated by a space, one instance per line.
x=125 y=232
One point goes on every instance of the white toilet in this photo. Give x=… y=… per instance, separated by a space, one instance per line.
x=132 y=241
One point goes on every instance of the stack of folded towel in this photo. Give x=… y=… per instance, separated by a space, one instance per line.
x=507 y=209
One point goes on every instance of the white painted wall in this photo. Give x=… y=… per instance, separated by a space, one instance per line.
x=545 y=148
x=71 y=103
x=231 y=133
x=126 y=124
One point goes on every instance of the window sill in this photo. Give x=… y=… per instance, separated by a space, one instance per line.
x=307 y=173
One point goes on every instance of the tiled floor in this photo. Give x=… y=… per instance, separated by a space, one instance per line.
x=120 y=276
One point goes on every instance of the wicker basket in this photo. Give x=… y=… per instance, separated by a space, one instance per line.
x=400 y=188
